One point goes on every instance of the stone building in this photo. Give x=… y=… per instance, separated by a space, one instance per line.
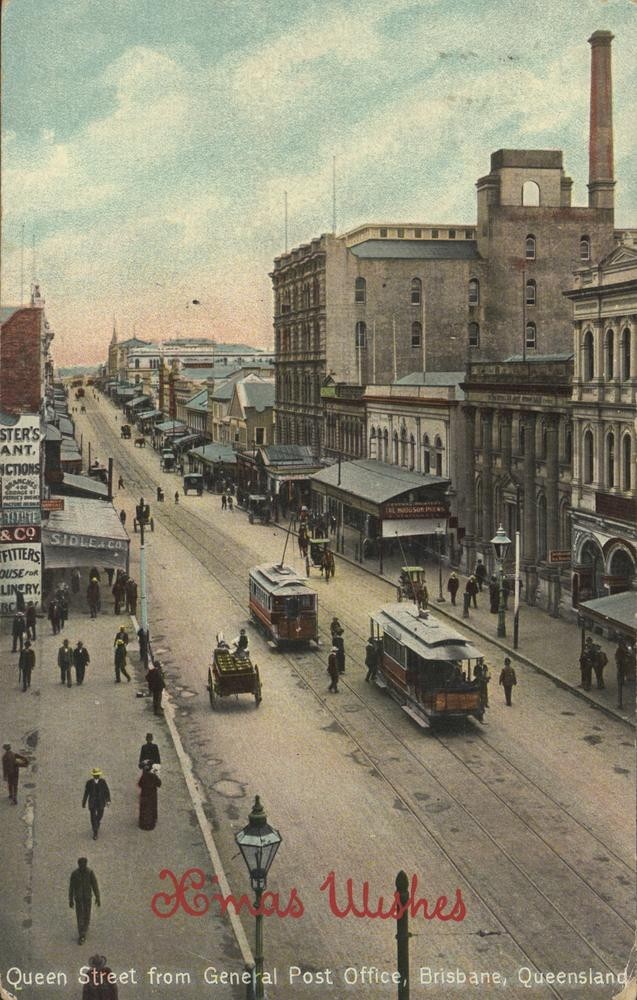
x=382 y=301
x=517 y=466
x=604 y=516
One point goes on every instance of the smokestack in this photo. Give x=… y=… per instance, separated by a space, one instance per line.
x=600 y=148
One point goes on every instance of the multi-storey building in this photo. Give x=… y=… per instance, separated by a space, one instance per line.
x=604 y=514
x=383 y=301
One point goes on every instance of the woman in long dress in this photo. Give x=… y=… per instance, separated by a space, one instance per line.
x=148 y=783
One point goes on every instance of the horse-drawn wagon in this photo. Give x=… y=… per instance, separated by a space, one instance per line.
x=143 y=516
x=232 y=672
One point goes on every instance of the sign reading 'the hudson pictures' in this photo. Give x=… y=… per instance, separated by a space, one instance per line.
x=20 y=462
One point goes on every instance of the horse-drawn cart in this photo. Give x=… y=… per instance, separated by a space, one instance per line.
x=232 y=672
x=412 y=585
x=143 y=517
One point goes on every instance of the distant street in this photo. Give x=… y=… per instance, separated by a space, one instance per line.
x=526 y=815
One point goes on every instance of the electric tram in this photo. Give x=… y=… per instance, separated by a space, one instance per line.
x=428 y=667
x=283 y=605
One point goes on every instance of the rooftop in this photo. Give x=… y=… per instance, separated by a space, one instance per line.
x=416 y=250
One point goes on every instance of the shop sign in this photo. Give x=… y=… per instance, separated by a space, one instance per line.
x=20 y=462
x=424 y=508
x=21 y=570
x=20 y=533
x=20 y=516
x=53 y=503
x=559 y=555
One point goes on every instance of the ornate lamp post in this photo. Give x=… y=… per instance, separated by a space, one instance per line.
x=258 y=843
x=500 y=543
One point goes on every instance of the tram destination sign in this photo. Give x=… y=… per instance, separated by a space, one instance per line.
x=422 y=508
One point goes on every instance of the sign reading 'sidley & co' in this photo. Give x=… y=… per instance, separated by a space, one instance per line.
x=20 y=462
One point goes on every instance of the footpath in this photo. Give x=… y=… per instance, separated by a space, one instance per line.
x=549 y=645
x=65 y=733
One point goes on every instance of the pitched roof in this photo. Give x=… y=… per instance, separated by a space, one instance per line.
x=376 y=481
x=256 y=395
x=198 y=401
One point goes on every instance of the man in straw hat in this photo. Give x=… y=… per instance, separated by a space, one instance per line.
x=98 y=796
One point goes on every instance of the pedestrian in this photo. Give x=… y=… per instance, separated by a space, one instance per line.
x=94 y=573
x=142 y=639
x=100 y=985
x=109 y=574
x=508 y=680
x=335 y=627
x=332 y=669
x=120 y=483
x=625 y=664
x=471 y=589
x=149 y=782
x=121 y=634
x=122 y=517
x=223 y=501
x=599 y=662
x=466 y=601
x=118 y=591
x=156 y=685
x=76 y=580
x=26 y=665
x=506 y=590
x=452 y=587
x=371 y=659
x=81 y=659
x=18 y=629
x=494 y=596
x=339 y=642
x=53 y=614
x=82 y=887
x=65 y=660
x=11 y=764
x=131 y=596
x=63 y=604
x=176 y=496
x=586 y=664
x=120 y=661
x=149 y=752
x=93 y=596
x=480 y=574
x=30 y=619
x=98 y=796
x=230 y=501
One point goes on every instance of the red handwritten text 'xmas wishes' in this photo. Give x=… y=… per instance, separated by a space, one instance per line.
x=188 y=896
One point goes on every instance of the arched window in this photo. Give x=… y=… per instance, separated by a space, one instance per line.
x=530 y=248
x=625 y=353
x=610 y=460
x=626 y=463
x=361 y=335
x=531 y=293
x=426 y=455
x=589 y=457
x=474 y=335
x=584 y=248
x=403 y=447
x=609 y=353
x=395 y=448
x=385 y=444
x=416 y=291
x=360 y=290
x=474 y=292
x=588 y=356
x=530 y=193
x=438 y=447
x=416 y=334
x=530 y=335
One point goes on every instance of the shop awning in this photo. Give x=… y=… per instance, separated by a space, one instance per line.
x=617 y=612
x=80 y=486
x=171 y=427
x=85 y=533
x=210 y=454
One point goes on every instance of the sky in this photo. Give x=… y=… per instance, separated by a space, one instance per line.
x=148 y=144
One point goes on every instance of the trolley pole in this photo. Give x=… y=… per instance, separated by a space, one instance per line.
x=402 y=936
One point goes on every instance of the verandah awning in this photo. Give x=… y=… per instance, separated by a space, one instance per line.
x=85 y=533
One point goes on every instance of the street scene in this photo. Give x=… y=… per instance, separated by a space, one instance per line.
x=318 y=618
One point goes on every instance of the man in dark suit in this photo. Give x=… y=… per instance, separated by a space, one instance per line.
x=80 y=660
x=82 y=887
x=26 y=665
x=149 y=751
x=98 y=796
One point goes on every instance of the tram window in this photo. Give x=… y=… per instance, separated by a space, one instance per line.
x=293 y=607
x=394 y=649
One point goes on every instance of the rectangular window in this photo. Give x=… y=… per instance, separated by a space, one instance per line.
x=452 y=234
x=468 y=234
x=383 y=234
x=418 y=234
x=400 y=233
x=434 y=234
x=259 y=435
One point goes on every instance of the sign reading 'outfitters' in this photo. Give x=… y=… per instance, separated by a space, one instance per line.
x=423 y=508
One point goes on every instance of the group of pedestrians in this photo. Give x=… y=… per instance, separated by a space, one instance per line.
x=124 y=592
x=77 y=658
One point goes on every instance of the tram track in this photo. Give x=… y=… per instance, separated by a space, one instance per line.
x=230 y=573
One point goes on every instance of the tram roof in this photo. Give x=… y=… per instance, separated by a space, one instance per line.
x=426 y=635
x=280 y=579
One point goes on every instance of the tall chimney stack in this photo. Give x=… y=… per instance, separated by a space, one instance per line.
x=600 y=147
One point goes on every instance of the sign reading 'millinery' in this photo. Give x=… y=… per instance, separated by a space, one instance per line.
x=20 y=570
x=423 y=508
x=20 y=462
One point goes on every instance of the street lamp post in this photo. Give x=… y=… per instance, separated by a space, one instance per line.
x=142 y=584
x=440 y=533
x=258 y=843
x=500 y=543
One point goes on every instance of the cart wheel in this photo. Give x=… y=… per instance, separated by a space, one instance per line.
x=152 y=524
x=211 y=688
x=257 y=686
